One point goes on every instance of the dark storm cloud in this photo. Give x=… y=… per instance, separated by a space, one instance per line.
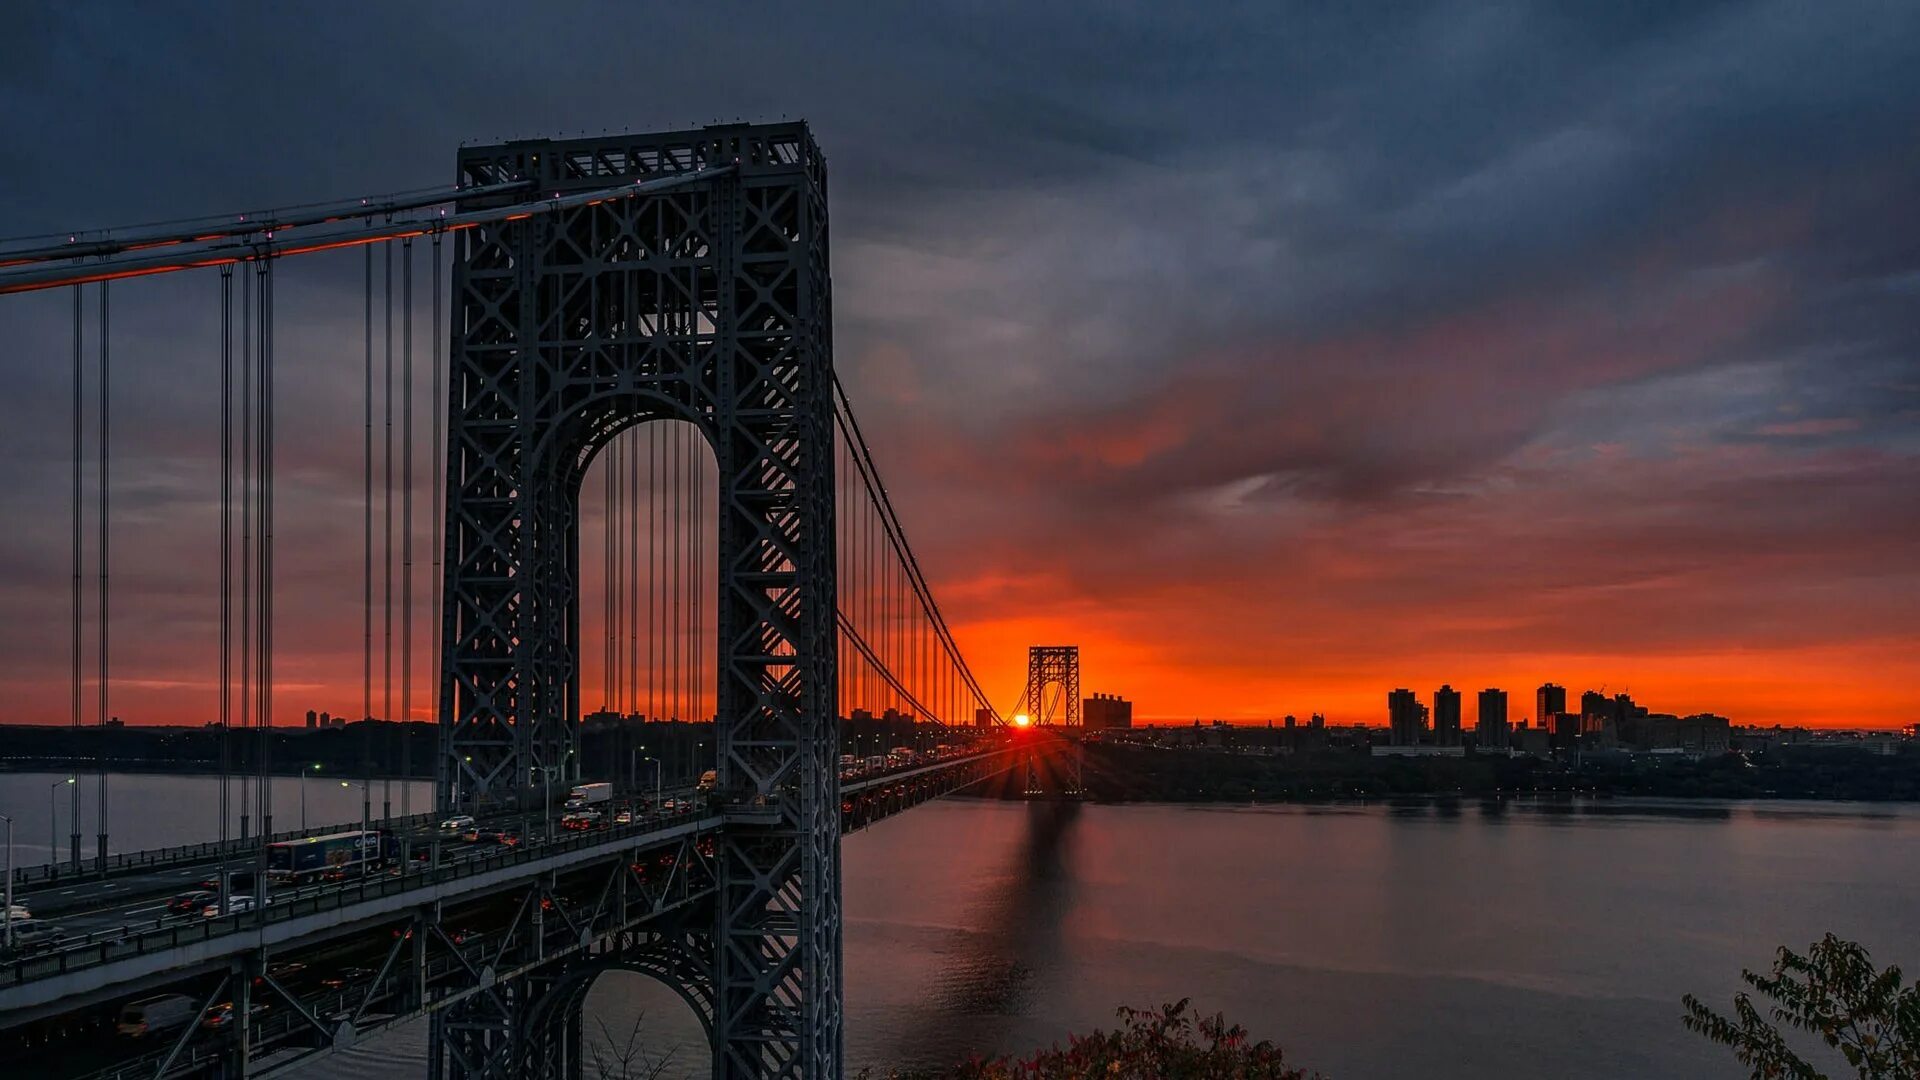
x=1173 y=289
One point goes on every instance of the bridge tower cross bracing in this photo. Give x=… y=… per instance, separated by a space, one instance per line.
x=1050 y=665
x=707 y=303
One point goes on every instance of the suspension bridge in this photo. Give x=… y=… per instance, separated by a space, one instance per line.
x=654 y=309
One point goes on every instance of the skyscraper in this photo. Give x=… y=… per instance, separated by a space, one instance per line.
x=1446 y=716
x=1549 y=701
x=1404 y=721
x=1490 y=728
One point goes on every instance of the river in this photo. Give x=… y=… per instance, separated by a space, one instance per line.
x=1451 y=941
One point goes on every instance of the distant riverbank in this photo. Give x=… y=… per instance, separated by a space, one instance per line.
x=1119 y=773
x=146 y=767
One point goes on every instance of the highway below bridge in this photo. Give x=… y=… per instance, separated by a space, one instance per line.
x=454 y=923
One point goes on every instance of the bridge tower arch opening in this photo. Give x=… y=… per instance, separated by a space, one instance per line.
x=707 y=302
x=648 y=591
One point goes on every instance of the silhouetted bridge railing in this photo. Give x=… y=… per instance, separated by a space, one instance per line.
x=167 y=858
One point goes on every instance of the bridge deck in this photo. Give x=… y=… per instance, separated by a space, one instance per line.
x=133 y=951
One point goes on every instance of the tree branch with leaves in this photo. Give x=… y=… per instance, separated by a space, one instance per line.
x=1834 y=994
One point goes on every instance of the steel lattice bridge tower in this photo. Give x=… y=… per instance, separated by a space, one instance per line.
x=597 y=285
x=707 y=302
x=1054 y=665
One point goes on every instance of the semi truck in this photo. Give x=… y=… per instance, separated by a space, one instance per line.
x=309 y=857
x=585 y=795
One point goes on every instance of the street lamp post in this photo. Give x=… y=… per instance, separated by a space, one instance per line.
x=9 y=915
x=315 y=767
x=53 y=819
x=655 y=762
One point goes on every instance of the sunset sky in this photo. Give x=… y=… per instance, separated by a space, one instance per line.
x=1277 y=358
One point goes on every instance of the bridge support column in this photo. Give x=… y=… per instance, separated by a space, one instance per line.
x=478 y=1038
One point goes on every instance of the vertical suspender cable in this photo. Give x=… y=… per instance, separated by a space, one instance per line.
x=693 y=571
x=606 y=584
x=699 y=579
x=386 y=572
x=684 y=579
x=630 y=579
x=406 y=527
x=246 y=553
x=653 y=575
x=226 y=556
x=626 y=648
x=366 y=548
x=437 y=511
x=266 y=552
x=79 y=514
x=636 y=539
x=675 y=579
x=262 y=586
x=105 y=563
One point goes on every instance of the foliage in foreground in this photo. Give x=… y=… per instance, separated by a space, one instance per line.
x=1833 y=993
x=1169 y=1043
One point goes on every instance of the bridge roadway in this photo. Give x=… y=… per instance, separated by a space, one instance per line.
x=316 y=970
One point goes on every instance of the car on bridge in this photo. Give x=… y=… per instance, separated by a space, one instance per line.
x=151 y=1016
x=457 y=823
x=34 y=935
x=345 y=977
x=239 y=879
x=280 y=972
x=491 y=836
x=221 y=1016
x=193 y=902
x=235 y=905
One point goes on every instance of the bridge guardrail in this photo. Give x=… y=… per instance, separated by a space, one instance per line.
x=184 y=854
x=104 y=947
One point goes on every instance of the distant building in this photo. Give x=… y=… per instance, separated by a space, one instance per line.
x=1564 y=730
x=1549 y=701
x=1533 y=741
x=1705 y=733
x=983 y=718
x=1406 y=718
x=1106 y=712
x=1418 y=751
x=1595 y=703
x=1490 y=728
x=1446 y=716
